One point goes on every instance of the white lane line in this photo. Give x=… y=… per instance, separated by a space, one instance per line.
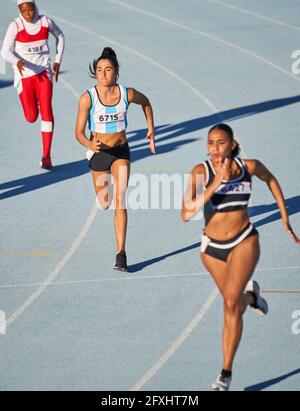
x=107 y=280
x=56 y=270
x=53 y=274
x=171 y=73
x=177 y=344
x=207 y=35
x=140 y=55
x=135 y=278
x=251 y=13
x=69 y=87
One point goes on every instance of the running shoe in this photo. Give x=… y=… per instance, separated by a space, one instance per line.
x=260 y=305
x=222 y=383
x=121 y=262
x=46 y=163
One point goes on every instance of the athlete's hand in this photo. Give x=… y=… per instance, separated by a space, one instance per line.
x=150 y=136
x=221 y=169
x=94 y=145
x=288 y=228
x=55 y=70
x=21 y=66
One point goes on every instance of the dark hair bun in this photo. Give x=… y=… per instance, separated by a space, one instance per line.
x=108 y=52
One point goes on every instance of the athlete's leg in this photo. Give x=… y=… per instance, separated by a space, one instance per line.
x=120 y=170
x=217 y=269
x=102 y=185
x=44 y=89
x=240 y=267
x=28 y=98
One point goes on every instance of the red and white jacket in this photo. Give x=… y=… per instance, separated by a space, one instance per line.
x=29 y=41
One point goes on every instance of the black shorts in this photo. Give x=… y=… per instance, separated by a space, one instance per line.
x=103 y=160
x=221 y=249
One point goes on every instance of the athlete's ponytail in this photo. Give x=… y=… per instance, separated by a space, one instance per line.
x=228 y=130
x=107 y=54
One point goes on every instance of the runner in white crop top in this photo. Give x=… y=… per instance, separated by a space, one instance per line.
x=104 y=109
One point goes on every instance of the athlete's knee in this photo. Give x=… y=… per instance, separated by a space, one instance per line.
x=31 y=116
x=102 y=203
x=120 y=200
x=232 y=304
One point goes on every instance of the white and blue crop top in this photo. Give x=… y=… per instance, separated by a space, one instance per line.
x=108 y=119
x=231 y=195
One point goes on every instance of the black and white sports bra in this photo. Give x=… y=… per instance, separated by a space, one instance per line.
x=231 y=195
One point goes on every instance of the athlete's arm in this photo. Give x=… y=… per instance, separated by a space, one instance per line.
x=136 y=97
x=60 y=45
x=256 y=168
x=195 y=197
x=81 y=121
x=8 y=48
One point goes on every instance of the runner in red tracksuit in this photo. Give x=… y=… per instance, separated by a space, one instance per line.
x=26 y=47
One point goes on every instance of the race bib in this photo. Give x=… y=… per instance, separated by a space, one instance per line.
x=235 y=188
x=34 y=49
x=109 y=118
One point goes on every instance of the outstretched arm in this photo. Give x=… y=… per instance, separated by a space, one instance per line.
x=136 y=97
x=256 y=168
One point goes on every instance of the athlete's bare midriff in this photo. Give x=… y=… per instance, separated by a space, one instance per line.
x=110 y=140
x=225 y=225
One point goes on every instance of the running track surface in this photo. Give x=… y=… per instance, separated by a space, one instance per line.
x=72 y=323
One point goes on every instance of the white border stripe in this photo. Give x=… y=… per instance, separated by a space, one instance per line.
x=234 y=243
x=232 y=203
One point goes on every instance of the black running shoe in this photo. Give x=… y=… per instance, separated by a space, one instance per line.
x=121 y=262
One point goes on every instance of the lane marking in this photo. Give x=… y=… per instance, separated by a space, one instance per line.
x=107 y=280
x=34 y=253
x=135 y=278
x=56 y=270
x=140 y=55
x=207 y=35
x=178 y=342
x=251 y=13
